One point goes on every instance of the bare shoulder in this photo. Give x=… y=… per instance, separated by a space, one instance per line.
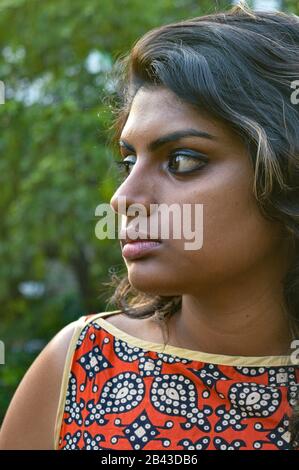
x=30 y=419
x=143 y=328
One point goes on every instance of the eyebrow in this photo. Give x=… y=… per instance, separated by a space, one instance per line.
x=173 y=136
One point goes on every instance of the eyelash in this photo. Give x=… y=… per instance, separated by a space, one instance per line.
x=124 y=165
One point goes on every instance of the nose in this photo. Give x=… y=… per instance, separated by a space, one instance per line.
x=122 y=201
x=137 y=190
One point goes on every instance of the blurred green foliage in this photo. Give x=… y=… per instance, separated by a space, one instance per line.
x=55 y=164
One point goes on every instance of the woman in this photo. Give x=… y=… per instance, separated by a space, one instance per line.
x=207 y=117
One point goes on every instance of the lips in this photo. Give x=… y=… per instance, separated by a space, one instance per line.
x=138 y=240
x=141 y=238
x=139 y=248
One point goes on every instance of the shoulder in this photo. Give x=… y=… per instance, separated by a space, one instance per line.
x=143 y=328
x=30 y=419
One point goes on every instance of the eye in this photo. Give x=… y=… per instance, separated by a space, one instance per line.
x=180 y=162
x=124 y=166
x=186 y=162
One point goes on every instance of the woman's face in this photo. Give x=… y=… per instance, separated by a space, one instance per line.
x=236 y=237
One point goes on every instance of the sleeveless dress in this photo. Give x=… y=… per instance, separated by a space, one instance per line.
x=124 y=393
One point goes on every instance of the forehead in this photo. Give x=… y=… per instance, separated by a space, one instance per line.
x=156 y=111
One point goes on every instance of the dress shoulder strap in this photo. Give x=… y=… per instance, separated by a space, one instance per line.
x=95 y=316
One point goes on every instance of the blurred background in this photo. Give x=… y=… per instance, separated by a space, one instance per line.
x=55 y=161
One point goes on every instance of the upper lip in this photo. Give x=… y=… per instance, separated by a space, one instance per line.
x=140 y=237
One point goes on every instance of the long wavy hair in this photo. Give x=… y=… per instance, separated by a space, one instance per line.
x=238 y=66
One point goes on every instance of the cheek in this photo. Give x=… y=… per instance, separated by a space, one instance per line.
x=235 y=237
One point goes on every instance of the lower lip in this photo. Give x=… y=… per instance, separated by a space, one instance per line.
x=138 y=249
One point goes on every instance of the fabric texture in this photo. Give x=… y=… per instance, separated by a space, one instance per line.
x=121 y=392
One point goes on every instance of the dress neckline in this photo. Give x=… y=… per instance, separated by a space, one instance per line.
x=183 y=353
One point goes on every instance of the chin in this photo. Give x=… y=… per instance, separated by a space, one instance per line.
x=149 y=283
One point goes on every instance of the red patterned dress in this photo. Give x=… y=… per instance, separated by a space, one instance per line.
x=121 y=392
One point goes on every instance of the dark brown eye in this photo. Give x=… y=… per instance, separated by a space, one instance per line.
x=186 y=163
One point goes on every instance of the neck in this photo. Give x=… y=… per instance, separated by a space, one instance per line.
x=244 y=317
